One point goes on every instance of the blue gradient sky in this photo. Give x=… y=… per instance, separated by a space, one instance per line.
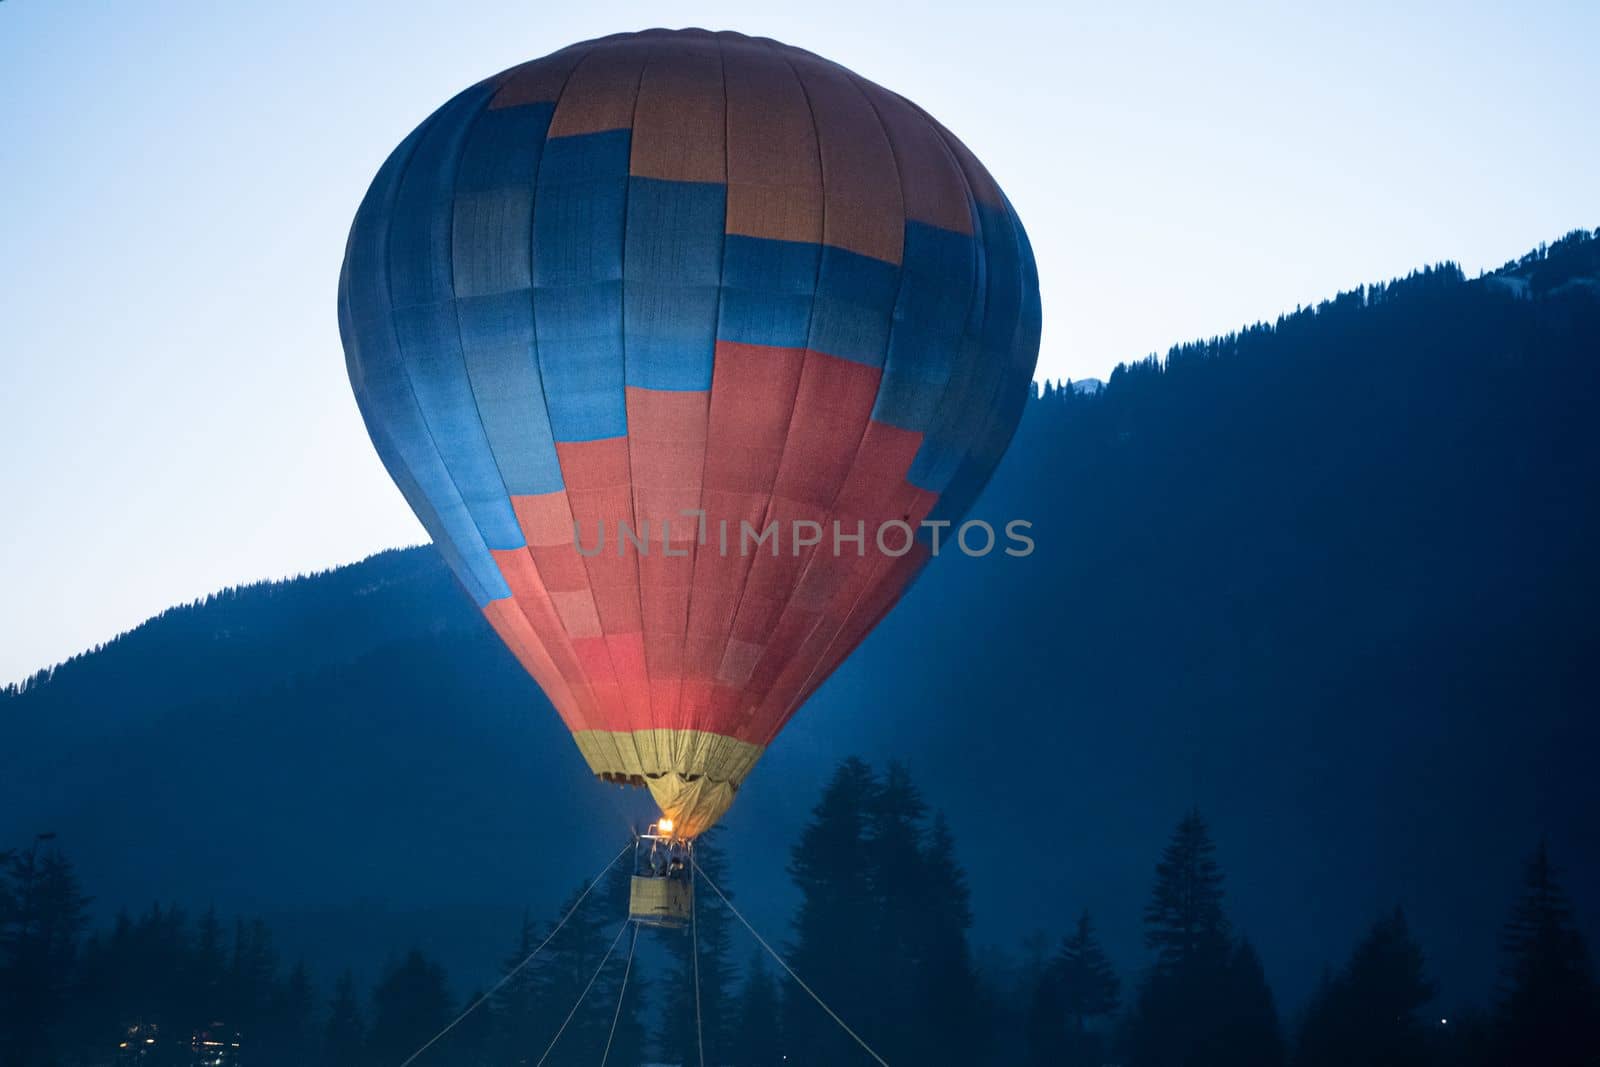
x=177 y=180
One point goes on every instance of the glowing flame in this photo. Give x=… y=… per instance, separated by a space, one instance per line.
x=665 y=826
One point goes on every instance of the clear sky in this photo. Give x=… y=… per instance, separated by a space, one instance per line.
x=177 y=181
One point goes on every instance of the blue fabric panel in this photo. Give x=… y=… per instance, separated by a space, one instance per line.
x=492 y=242
x=767 y=290
x=959 y=435
x=936 y=292
x=578 y=232
x=672 y=272
x=422 y=288
x=497 y=339
x=1004 y=412
x=492 y=256
x=854 y=306
x=384 y=395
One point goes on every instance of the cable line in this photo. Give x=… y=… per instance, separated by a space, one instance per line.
x=512 y=973
x=620 y=994
x=694 y=948
x=579 y=1002
x=785 y=965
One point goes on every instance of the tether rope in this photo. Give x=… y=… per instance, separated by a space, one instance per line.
x=694 y=949
x=579 y=1002
x=476 y=1004
x=623 y=992
x=785 y=965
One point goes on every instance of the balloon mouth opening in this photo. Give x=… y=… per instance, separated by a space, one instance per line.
x=642 y=781
x=690 y=803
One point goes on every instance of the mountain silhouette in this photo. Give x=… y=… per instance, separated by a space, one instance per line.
x=1331 y=579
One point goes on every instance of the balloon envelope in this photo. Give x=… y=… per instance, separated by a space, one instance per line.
x=677 y=290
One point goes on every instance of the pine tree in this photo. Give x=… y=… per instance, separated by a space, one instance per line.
x=1078 y=985
x=289 y=1035
x=950 y=988
x=713 y=933
x=1204 y=998
x=1549 y=1011
x=208 y=987
x=757 y=1036
x=251 y=977
x=42 y=917
x=900 y=876
x=829 y=866
x=628 y=1044
x=472 y=1042
x=560 y=975
x=1248 y=1032
x=1184 y=921
x=410 y=1005
x=520 y=1035
x=344 y=1039
x=1048 y=1041
x=1369 y=1012
x=1089 y=985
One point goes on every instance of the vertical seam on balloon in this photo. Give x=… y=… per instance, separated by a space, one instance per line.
x=375 y=427
x=979 y=249
x=583 y=685
x=722 y=259
x=622 y=332
x=742 y=715
x=455 y=309
x=900 y=179
x=627 y=428
x=1014 y=224
x=388 y=283
x=1024 y=261
x=455 y=318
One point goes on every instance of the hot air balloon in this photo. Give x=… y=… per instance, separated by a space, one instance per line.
x=656 y=287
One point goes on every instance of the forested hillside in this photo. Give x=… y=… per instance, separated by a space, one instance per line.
x=1330 y=580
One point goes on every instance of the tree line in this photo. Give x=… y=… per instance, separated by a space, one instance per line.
x=881 y=934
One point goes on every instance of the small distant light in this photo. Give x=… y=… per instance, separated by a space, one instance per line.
x=665 y=826
x=1444 y=1022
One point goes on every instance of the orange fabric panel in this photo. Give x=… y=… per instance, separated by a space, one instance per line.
x=678 y=124
x=863 y=210
x=984 y=188
x=774 y=170
x=600 y=92
x=545 y=518
x=930 y=177
x=540 y=81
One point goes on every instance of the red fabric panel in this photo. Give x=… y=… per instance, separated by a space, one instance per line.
x=831 y=411
x=512 y=626
x=527 y=589
x=607 y=603
x=667 y=438
x=753 y=391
